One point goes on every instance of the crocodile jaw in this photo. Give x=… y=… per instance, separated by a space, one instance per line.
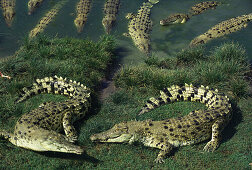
x=45 y=140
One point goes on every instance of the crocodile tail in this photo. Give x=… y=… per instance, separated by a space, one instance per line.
x=55 y=85
x=174 y=93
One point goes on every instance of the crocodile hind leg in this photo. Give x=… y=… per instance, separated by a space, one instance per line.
x=69 y=128
x=217 y=128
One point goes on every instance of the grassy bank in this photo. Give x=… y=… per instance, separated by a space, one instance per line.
x=87 y=62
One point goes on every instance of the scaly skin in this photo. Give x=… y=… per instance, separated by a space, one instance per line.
x=110 y=11
x=39 y=129
x=8 y=7
x=32 y=5
x=223 y=28
x=195 y=127
x=82 y=10
x=195 y=10
x=49 y=16
x=140 y=27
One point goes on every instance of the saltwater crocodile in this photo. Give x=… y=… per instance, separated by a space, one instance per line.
x=110 y=11
x=140 y=26
x=39 y=129
x=49 y=16
x=223 y=28
x=195 y=10
x=8 y=7
x=32 y=5
x=197 y=126
x=82 y=9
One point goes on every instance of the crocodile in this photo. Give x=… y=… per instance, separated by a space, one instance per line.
x=82 y=9
x=195 y=10
x=49 y=16
x=140 y=26
x=110 y=11
x=223 y=28
x=39 y=129
x=197 y=126
x=8 y=7
x=32 y=5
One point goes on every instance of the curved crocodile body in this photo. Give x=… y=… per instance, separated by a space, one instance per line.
x=140 y=27
x=223 y=28
x=32 y=5
x=195 y=10
x=39 y=129
x=82 y=9
x=8 y=7
x=197 y=126
x=110 y=11
x=49 y=16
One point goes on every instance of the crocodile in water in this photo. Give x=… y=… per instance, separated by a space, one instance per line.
x=82 y=9
x=110 y=11
x=49 y=16
x=223 y=28
x=140 y=27
x=32 y=5
x=195 y=10
x=8 y=7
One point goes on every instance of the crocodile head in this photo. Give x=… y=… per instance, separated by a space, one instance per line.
x=79 y=23
x=175 y=19
x=120 y=133
x=107 y=24
x=32 y=5
x=9 y=14
x=45 y=140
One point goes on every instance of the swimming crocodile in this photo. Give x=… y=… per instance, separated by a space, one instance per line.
x=223 y=28
x=195 y=10
x=197 y=126
x=82 y=10
x=8 y=7
x=110 y=11
x=39 y=129
x=140 y=26
x=49 y=16
x=32 y=5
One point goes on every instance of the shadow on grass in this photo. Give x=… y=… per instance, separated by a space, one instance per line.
x=70 y=156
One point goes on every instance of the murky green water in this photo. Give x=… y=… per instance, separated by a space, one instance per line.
x=165 y=40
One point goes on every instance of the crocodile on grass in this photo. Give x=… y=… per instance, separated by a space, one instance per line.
x=82 y=9
x=8 y=7
x=195 y=10
x=39 y=129
x=197 y=126
x=223 y=28
x=110 y=11
x=140 y=26
x=32 y=5
x=49 y=16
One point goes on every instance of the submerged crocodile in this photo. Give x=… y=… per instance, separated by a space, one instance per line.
x=39 y=129
x=140 y=26
x=195 y=10
x=110 y=11
x=32 y=5
x=8 y=7
x=82 y=9
x=49 y=16
x=223 y=28
x=197 y=126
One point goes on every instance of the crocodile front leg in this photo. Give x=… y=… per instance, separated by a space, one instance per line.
x=160 y=143
x=69 y=128
x=217 y=128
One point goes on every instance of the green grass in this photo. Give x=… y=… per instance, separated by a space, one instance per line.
x=88 y=62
